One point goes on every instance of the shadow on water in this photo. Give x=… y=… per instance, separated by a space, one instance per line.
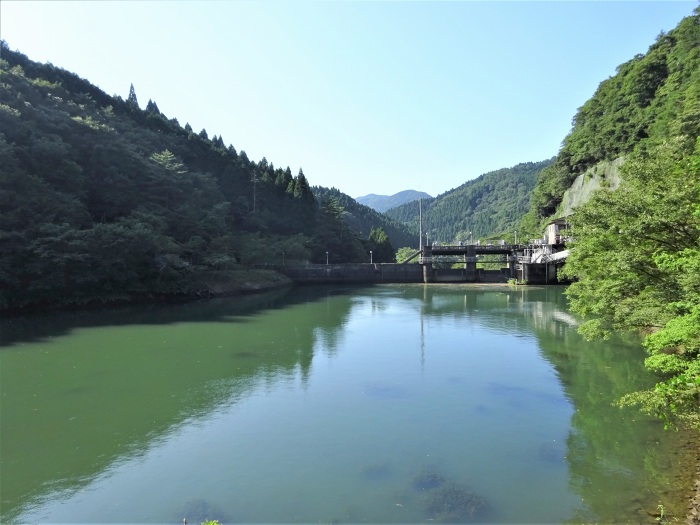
x=378 y=472
x=233 y=309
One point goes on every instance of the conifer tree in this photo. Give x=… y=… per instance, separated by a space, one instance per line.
x=152 y=107
x=382 y=249
x=284 y=178
x=132 y=97
x=302 y=190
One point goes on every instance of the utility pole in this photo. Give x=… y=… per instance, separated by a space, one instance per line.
x=420 y=224
x=254 y=180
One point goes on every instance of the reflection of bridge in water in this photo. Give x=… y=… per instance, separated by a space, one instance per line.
x=532 y=264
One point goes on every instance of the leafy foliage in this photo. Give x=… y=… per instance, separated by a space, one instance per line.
x=333 y=238
x=405 y=253
x=636 y=256
x=646 y=97
x=382 y=250
x=637 y=261
x=546 y=196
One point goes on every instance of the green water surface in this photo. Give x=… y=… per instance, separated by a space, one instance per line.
x=397 y=403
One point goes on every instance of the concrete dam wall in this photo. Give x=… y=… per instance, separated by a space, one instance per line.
x=388 y=273
x=353 y=273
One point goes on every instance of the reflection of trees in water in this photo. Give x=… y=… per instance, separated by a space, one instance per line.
x=41 y=327
x=156 y=367
x=499 y=306
x=620 y=461
x=336 y=305
x=618 y=458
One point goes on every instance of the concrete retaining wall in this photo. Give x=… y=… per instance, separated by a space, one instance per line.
x=386 y=273
x=353 y=273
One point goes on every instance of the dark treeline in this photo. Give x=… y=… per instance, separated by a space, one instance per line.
x=489 y=206
x=101 y=200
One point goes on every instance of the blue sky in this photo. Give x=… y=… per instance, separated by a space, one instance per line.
x=366 y=97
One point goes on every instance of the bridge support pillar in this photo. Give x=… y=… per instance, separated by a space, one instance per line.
x=471 y=273
x=428 y=274
x=513 y=265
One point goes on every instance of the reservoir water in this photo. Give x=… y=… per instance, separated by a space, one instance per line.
x=389 y=404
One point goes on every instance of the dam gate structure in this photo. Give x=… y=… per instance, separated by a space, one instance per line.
x=524 y=264
x=440 y=263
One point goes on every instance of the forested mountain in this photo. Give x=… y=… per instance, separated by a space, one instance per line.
x=363 y=219
x=652 y=97
x=489 y=206
x=635 y=257
x=381 y=203
x=101 y=200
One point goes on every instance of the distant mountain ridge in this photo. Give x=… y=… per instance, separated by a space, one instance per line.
x=382 y=203
x=489 y=206
x=362 y=219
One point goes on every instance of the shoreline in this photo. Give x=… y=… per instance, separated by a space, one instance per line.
x=208 y=286
x=683 y=489
x=693 y=516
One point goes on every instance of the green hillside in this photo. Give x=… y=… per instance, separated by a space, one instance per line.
x=652 y=97
x=102 y=201
x=488 y=206
x=363 y=219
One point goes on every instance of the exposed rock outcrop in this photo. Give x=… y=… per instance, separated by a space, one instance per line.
x=603 y=175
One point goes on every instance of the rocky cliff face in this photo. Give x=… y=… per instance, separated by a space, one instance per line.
x=605 y=174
